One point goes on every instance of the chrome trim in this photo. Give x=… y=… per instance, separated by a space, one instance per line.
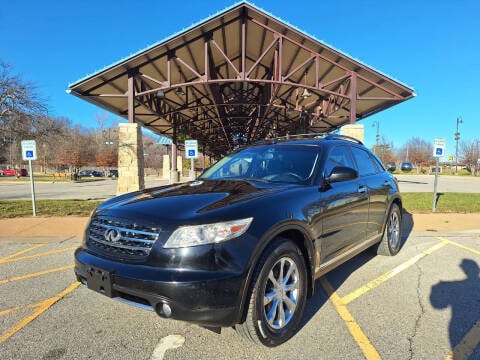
x=323 y=268
x=131 y=240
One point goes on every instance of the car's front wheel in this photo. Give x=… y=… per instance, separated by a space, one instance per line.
x=277 y=295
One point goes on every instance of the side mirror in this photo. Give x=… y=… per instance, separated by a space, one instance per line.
x=342 y=173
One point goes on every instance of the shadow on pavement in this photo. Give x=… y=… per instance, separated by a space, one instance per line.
x=338 y=276
x=463 y=297
x=407 y=225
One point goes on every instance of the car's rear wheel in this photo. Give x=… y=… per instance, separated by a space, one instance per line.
x=277 y=295
x=392 y=235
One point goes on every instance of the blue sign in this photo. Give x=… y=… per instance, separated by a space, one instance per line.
x=439 y=147
x=191 y=149
x=29 y=150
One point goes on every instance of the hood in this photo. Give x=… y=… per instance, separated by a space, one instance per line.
x=188 y=200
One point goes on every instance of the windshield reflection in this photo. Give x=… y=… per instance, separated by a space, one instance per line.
x=273 y=163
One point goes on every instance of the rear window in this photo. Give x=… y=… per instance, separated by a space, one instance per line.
x=365 y=163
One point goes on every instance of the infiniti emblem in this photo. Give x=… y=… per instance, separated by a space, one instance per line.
x=112 y=235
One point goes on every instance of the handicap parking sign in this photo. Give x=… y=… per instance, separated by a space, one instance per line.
x=29 y=150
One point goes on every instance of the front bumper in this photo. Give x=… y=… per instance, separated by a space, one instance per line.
x=209 y=298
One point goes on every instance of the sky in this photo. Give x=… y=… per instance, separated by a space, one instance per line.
x=433 y=46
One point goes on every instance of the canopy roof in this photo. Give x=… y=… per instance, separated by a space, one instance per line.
x=237 y=77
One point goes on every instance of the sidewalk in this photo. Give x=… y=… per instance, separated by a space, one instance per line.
x=42 y=226
x=26 y=227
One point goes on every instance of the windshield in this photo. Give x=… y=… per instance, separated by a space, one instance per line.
x=277 y=163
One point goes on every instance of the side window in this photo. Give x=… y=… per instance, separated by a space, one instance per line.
x=338 y=156
x=365 y=163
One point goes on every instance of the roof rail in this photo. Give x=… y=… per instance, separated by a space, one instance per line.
x=343 y=137
x=274 y=140
x=302 y=136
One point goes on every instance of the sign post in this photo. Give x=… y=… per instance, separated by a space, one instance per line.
x=438 y=152
x=191 y=152
x=29 y=152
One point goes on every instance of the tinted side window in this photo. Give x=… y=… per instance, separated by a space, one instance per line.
x=365 y=163
x=338 y=156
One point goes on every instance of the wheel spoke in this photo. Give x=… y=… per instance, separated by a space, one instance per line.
x=267 y=299
x=272 y=313
x=271 y=277
x=282 y=268
x=281 y=315
x=292 y=270
x=292 y=286
x=291 y=303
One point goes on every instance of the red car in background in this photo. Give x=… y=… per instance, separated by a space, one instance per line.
x=13 y=172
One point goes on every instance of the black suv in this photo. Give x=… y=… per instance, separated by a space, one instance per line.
x=243 y=244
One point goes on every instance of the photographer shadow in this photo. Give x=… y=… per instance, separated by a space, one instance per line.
x=462 y=296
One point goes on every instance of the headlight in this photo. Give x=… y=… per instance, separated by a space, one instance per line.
x=207 y=234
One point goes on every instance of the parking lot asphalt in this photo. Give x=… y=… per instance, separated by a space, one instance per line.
x=423 y=303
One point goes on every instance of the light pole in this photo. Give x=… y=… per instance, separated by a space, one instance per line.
x=457 y=137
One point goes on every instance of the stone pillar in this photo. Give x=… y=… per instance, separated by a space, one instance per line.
x=166 y=167
x=354 y=130
x=178 y=175
x=130 y=158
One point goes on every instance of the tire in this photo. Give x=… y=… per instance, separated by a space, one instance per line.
x=392 y=234
x=274 y=321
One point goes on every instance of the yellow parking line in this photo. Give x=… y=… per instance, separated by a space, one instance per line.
x=390 y=274
x=53 y=252
x=467 y=345
x=355 y=330
x=9 y=311
x=460 y=245
x=39 y=273
x=23 y=251
x=41 y=308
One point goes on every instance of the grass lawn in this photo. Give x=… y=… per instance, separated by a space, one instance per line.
x=446 y=202
x=17 y=208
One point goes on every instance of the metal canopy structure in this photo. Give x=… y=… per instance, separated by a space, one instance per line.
x=237 y=77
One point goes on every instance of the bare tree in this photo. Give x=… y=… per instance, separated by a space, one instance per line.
x=154 y=152
x=384 y=150
x=417 y=151
x=107 y=157
x=470 y=155
x=19 y=108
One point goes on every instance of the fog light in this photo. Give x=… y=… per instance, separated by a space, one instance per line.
x=167 y=311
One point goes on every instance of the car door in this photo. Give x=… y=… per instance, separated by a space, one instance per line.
x=345 y=207
x=378 y=188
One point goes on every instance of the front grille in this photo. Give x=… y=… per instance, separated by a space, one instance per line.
x=120 y=238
